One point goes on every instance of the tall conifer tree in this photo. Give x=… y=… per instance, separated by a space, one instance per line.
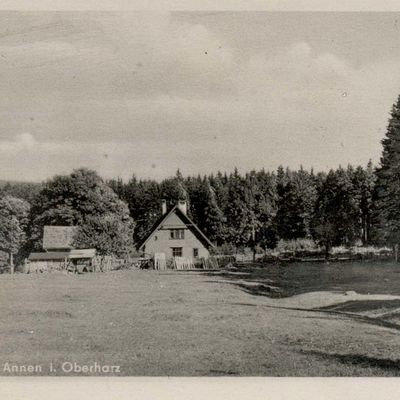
x=388 y=181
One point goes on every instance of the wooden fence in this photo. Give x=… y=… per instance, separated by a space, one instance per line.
x=110 y=263
x=212 y=262
x=183 y=263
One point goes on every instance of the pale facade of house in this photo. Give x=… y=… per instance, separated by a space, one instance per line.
x=176 y=235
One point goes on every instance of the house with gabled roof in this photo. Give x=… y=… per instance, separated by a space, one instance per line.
x=176 y=235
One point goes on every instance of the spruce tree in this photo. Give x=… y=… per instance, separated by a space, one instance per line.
x=239 y=212
x=388 y=182
x=213 y=217
x=267 y=203
x=335 y=211
x=144 y=201
x=297 y=195
x=363 y=180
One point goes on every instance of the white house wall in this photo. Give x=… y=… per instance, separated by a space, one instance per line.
x=160 y=242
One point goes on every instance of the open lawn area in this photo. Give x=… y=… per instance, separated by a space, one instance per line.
x=293 y=320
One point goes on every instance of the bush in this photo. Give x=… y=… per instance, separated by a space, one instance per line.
x=337 y=250
x=225 y=249
x=297 y=245
x=370 y=250
x=360 y=251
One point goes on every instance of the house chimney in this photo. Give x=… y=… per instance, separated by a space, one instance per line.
x=182 y=205
x=163 y=206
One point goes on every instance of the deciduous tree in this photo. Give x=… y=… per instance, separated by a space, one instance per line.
x=109 y=234
x=75 y=199
x=13 y=225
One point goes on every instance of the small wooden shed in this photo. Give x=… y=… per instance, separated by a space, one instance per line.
x=75 y=259
x=59 y=252
x=46 y=261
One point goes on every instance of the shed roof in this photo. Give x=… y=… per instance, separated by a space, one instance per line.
x=51 y=255
x=82 y=253
x=58 y=237
x=62 y=255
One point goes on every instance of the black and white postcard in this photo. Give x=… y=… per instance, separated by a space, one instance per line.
x=199 y=191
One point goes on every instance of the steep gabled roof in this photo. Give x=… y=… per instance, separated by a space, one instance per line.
x=58 y=237
x=190 y=224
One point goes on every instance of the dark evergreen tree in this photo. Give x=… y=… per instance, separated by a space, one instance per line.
x=118 y=186
x=388 y=183
x=296 y=198
x=363 y=180
x=240 y=213
x=144 y=201
x=335 y=211
x=281 y=222
x=174 y=189
x=219 y=183
x=267 y=203
x=214 y=218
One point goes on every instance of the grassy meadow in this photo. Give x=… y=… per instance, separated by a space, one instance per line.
x=293 y=320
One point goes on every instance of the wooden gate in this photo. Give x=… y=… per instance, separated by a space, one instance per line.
x=159 y=261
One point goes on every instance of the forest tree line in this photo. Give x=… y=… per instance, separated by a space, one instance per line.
x=254 y=210
x=259 y=208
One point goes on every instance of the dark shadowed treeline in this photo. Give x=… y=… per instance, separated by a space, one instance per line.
x=253 y=210
x=259 y=208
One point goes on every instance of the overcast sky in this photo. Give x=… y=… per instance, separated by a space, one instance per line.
x=145 y=93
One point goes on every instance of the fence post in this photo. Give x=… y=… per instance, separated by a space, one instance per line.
x=11 y=263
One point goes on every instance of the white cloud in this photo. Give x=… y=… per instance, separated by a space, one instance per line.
x=123 y=97
x=23 y=142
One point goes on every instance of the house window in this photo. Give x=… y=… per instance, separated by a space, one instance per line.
x=177 y=252
x=177 y=234
x=195 y=252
